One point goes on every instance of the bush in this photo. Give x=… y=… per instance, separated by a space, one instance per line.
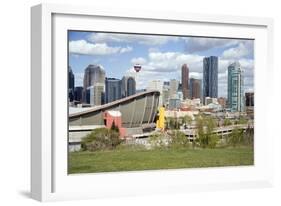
x=249 y=136
x=101 y=139
x=236 y=137
x=178 y=140
x=242 y=120
x=114 y=127
x=213 y=141
x=156 y=141
x=227 y=122
x=206 y=137
x=172 y=123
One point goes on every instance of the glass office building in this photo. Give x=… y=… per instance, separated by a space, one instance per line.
x=235 y=89
x=128 y=86
x=210 y=77
x=94 y=75
x=195 y=88
x=112 y=89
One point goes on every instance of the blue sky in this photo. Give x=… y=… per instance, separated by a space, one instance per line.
x=161 y=57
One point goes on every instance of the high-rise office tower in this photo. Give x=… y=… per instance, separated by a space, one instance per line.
x=173 y=90
x=156 y=85
x=98 y=94
x=210 y=77
x=249 y=99
x=89 y=95
x=71 y=79
x=93 y=75
x=185 y=81
x=235 y=87
x=128 y=86
x=94 y=95
x=78 y=94
x=112 y=89
x=174 y=103
x=195 y=88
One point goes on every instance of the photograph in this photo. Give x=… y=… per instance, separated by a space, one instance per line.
x=139 y=102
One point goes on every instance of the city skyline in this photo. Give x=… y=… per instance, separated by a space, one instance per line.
x=161 y=57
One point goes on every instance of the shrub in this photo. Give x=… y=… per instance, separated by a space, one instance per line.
x=156 y=141
x=242 y=120
x=101 y=139
x=249 y=136
x=227 y=122
x=205 y=132
x=178 y=140
x=213 y=141
x=172 y=123
x=114 y=127
x=236 y=137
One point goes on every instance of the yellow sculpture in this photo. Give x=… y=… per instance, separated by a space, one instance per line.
x=161 y=119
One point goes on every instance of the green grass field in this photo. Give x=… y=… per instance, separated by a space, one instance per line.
x=133 y=160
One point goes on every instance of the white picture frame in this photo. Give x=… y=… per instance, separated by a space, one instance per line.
x=49 y=179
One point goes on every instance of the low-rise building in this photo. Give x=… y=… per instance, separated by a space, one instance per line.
x=174 y=104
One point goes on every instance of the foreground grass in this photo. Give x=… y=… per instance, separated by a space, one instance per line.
x=132 y=160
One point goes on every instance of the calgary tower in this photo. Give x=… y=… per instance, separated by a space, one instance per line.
x=137 y=68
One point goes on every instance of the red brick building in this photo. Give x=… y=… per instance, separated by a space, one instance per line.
x=116 y=117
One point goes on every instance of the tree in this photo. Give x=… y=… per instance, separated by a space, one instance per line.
x=167 y=122
x=227 y=122
x=205 y=132
x=177 y=125
x=249 y=136
x=242 y=120
x=236 y=137
x=172 y=123
x=187 y=120
x=101 y=139
x=213 y=141
x=114 y=127
x=178 y=140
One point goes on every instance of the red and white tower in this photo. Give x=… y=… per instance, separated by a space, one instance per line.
x=137 y=68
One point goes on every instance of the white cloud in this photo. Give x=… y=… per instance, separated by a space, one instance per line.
x=172 y=61
x=196 y=75
x=128 y=38
x=126 y=49
x=82 y=47
x=197 y=44
x=153 y=49
x=138 y=60
x=236 y=52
